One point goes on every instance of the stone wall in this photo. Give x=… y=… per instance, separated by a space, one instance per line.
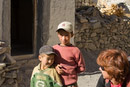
x=8 y=68
x=25 y=71
x=96 y=32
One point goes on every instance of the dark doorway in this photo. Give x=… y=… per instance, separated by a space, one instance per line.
x=22 y=31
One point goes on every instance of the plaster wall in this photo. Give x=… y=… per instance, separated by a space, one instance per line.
x=1 y=5
x=60 y=10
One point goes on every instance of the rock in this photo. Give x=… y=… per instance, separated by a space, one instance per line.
x=83 y=20
x=2 y=50
x=96 y=25
x=2 y=65
x=91 y=46
x=2 y=81
x=102 y=31
x=93 y=34
x=11 y=75
x=9 y=59
x=10 y=81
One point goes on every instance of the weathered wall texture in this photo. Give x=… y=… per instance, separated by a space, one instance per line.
x=1 y=4
x=96 y=32
x=60 y=10
x=49 y=14
x=5 y=20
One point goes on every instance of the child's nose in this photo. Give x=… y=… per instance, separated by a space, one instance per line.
x=63 y=37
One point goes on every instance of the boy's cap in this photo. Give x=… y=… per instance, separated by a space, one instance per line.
x=67 y=26
x=46 y=49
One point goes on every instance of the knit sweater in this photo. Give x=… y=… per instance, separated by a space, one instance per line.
x=72 y=62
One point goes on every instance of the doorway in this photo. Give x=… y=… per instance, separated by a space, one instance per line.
x=22 y=27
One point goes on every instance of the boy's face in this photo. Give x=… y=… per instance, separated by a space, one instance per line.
x=46 y=60
x=64 y=37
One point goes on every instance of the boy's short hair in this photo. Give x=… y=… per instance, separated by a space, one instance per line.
x=46 y=49
x=67 y=26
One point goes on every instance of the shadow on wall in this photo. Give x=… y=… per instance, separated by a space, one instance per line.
x=43 y=14
x=90 y=60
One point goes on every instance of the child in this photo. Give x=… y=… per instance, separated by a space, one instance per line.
x=45 y=75
x=115 y=69
x=69 y=61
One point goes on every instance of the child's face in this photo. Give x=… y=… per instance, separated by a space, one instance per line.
x=46 y=60
x=64 y=37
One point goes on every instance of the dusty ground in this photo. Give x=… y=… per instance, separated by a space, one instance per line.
x=91 y=76
x=88 y=80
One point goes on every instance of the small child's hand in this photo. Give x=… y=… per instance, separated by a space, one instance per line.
x=59 y=69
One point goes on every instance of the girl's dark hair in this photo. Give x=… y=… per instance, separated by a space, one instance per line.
x=115 y=63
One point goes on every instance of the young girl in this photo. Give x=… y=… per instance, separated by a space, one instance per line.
x=115 y=69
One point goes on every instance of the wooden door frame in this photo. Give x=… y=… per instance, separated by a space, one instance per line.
x=6 y=35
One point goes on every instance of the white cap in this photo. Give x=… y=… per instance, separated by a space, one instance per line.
x=67 y=26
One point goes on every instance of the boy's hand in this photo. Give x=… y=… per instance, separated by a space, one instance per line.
x=59 y=69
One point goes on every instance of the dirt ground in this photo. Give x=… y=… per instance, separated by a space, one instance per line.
x=88 y=80
x=91 y=76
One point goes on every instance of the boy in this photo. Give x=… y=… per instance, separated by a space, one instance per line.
x=45 y=75
x=69 y=61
